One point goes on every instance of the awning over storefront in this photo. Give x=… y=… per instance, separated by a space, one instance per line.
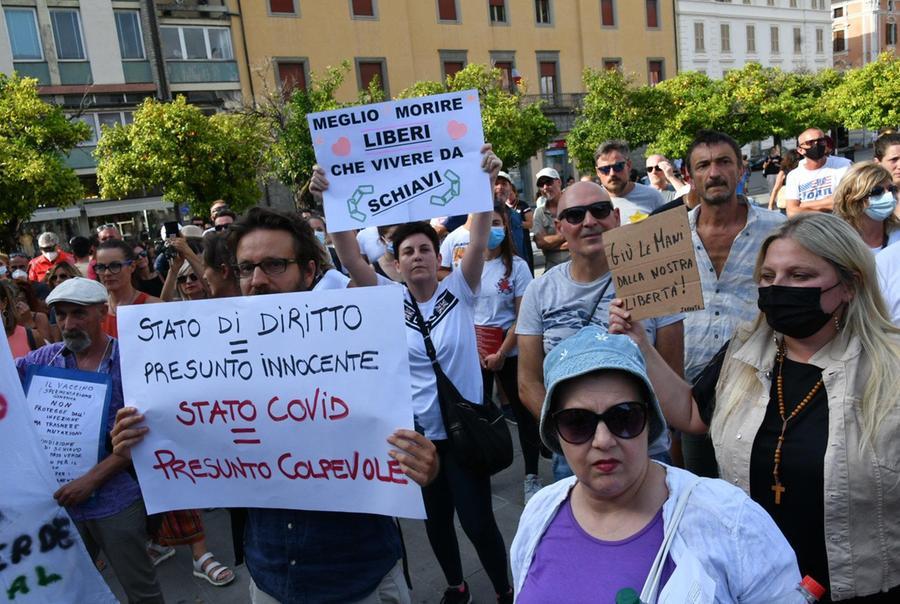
x=101 y=208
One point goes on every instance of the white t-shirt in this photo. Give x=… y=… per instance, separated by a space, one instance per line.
x=370 y=243
x=332 y=279
x=812 y=185
x=450 y=315
x=638 y=204
x=496 y=303
x=887 y=261
x=453 y=247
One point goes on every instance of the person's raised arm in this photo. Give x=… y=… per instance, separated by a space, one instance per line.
x=473 y=260
x=675 y=395
x=345 y=243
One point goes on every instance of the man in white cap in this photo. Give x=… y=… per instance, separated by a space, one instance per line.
x=50 y=256
x=554 y=246
x=106 y=502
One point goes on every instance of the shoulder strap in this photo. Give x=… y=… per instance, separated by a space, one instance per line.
x=426 y=333
x=650 y=591
x=32 y=343
x=599 y=300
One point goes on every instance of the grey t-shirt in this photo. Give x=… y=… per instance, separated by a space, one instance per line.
x=543 y=225
x=640 y=200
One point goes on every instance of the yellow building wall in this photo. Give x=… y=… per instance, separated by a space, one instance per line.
x=408 y=35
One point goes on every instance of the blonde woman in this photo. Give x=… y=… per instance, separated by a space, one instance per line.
x=803 y=406
x=866 y=198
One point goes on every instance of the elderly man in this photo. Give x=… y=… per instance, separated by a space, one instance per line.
x=663 y=177
x=106 y=502
x=577 y=293
x=633 y=200
x=51 y=255
x=810 y=186
x=551 y=243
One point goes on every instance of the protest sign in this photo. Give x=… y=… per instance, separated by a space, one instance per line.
x=69 y=408
x=401 y=161
x=275 y=401
x=42 y=558
x=653 y=265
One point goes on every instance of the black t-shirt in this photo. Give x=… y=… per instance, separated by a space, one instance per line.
x=772 y=166
x=152 y=287
x=801 y=513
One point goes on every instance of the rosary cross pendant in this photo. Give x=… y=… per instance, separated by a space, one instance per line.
x=778 y=489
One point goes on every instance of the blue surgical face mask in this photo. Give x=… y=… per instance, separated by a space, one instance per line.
x=320 y=235
x=881 y=207
x=498 y=234
x=389 y=248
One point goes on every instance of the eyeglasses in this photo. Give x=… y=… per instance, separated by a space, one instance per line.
x=616 y=167
x=182 y=279
x=654 y=169
x=544 y=182
x=269 y=266
x=48 y=248
x=223 y=227
x=575 y=215
x=879 y=190
x=59 y=277
x=113 y=267
x=578 y=426
x=108 y=225
x=813 y=143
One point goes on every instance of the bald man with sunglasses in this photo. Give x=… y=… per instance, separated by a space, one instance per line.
x=577 y=293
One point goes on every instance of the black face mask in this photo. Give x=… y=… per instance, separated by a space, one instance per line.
x=815 y=152
x=794 y=311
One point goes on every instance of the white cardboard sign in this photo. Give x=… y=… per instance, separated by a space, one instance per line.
x=273 y=401
x=401 y=161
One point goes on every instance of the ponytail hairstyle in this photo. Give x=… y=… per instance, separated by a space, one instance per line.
x=507 y=246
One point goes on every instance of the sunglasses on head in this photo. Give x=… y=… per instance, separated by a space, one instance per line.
x=575 y=215
x=616 y=167
x=879 y=190
x=185 y=278
x=108 y=225
x=624 y=420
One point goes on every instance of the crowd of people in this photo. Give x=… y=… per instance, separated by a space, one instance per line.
x=716 y=455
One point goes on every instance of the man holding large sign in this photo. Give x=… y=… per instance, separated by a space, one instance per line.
x=401 y=161
x=105 y=501
x=292 y=553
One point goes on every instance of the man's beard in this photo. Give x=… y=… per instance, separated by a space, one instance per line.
x=716 y=199
x=76 y=340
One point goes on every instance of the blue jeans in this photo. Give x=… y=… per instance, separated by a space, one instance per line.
x=562 y=470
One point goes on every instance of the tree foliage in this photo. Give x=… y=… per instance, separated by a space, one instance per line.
x=868 y=96
x=34 y=139
x=193 y=158
x=516 y=129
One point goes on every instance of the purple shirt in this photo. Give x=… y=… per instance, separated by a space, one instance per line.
x=120 y=490
x=571 y=563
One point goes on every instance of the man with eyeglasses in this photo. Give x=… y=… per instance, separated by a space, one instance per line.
x=577 y=293
x=663 y=177
x=51 y=255
x=548 y=240
x=633 y=200
x=810 y=186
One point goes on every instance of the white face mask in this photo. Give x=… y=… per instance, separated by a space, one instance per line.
x=51 y=256
x=3 y=270
x=19 y=274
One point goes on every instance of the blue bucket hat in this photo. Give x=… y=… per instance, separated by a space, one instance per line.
x=590 y=350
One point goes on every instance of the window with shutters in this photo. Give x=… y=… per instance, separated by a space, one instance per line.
x=507 y=79
x=371 y=69
x=751 y=38
x=452 y=68
x=798 y=41
x=612 y=64
x=542 y=15
x=820 y=41
x=775 y=41
x=549 y=82
x=447 y=11
x=699 y=41
x=839 y=41
x=283 y=7
x=497 y=11
x=890 y=34
x=291 y=76
x=656 y=71
x=362 y=9
x=652 y=10
x=725 y=33
x=838 y=12
x=607 y=13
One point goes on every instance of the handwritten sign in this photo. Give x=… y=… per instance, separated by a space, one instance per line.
x=653 y=265
x=42 y=558
x=69 y=408
x=401 y=161
x=275 y=401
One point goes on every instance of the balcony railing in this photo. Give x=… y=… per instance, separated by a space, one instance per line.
x=557 y=101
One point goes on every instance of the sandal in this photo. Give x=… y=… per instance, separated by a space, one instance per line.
x=159 y=553
x=206 y=567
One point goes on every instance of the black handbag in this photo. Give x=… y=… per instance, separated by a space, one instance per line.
x=478 y=434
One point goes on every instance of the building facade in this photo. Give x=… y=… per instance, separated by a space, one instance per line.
x=715 y=36
x=863 y=29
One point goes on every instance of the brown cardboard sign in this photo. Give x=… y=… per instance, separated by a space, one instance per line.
x=653 y=265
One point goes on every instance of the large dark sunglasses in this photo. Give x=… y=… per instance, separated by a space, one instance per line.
x=617 y=167
x=575 y=215
x=654 y=169
x=578 y=426
x=877 y=191
x=182 y=279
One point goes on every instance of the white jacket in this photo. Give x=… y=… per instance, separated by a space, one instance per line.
x=726 y=547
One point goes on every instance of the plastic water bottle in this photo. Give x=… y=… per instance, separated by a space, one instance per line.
x=811 y=590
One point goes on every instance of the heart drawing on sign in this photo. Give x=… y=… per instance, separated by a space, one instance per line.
x=341 y=147
x=456 y=130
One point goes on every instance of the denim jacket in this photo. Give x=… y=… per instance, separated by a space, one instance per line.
x=726 y=548
x=862 y=488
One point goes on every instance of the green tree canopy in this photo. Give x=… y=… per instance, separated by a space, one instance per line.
x=34 y=139
x=516 y=130
x=193 y=158
x=868 y=96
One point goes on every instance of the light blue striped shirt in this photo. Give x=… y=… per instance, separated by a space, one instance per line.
x=730 y=298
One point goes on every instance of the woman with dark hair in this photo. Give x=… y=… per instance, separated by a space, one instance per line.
x=146 y=278
x=503 y=281
x=218 y=271
x=776 y=198
x=115 y=268
x=22 y=340
x=31 y=311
